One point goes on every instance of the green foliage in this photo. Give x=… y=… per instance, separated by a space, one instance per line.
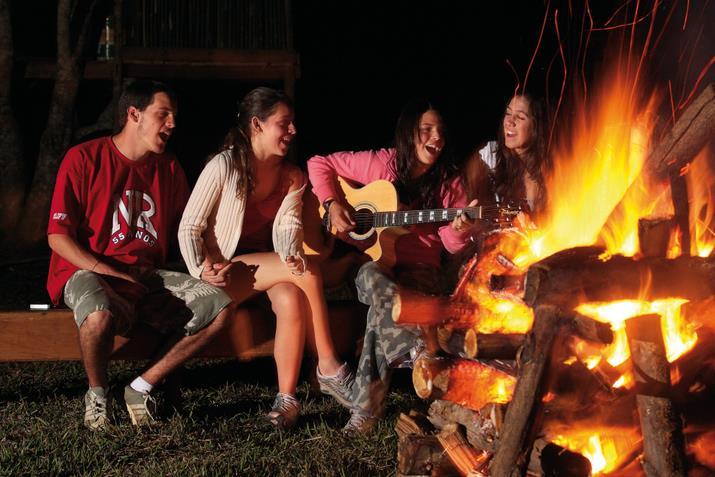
x=219 y=430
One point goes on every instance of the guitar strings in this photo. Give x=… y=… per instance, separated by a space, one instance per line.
x=368 y=217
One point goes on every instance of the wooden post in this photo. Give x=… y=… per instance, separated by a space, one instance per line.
x=694 y=128
x=523 y=414
x=660 y=424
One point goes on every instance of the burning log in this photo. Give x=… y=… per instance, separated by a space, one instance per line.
x=523 y=414
x=468 y=460
x=552 y=459
x=690 y=133
x=681 y=207
x=654 y=236
x=575 y=387
x=414 y=308
x=589 y=329
x=576 y=275
x=660 y=424
x=469 y=383
x=482 y=426
x=467 y=343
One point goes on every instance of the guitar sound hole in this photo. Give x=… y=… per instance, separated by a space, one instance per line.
x=363 y=221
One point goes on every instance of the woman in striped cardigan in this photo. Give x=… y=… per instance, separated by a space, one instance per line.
x=242 y=231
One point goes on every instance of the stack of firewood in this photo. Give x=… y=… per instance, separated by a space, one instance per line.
x=500 y=395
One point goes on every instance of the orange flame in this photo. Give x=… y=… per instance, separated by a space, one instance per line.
x=593 y=172
x=602 y=447
x=679 y=334
x=501 y=313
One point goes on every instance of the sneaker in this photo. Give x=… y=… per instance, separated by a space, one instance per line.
x=141 y=406
x=284 y=412
x=360 y=423
x=95 y=409
x=339 y=385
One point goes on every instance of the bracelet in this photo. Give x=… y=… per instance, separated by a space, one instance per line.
x=327 y=203
x=94 y=266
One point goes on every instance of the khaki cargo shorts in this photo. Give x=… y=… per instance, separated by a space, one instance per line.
x=167 y=301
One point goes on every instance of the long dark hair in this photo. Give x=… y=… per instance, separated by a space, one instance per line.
x=508 y=176
x=261 y=102
x=423 y=191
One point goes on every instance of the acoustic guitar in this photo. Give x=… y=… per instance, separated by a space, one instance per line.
x=379 y=222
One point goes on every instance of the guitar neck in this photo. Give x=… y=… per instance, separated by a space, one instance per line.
x=426 y=216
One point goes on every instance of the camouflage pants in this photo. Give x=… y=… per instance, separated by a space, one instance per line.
x=384 y=342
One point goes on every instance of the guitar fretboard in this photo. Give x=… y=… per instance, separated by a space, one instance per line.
x=411 y=217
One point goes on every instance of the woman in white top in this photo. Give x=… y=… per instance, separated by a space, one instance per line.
x=518 y=160
x=242 y=231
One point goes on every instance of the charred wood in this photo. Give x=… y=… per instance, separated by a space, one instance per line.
x=467 y=343
x=482 y=426
x=553 y=460
x=690 y=133
x=654 y=236
x=663 y=445
x=588 y=328
x=681 y=207
x=573 y=276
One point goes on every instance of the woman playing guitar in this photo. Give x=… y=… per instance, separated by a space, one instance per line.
x=425 y=177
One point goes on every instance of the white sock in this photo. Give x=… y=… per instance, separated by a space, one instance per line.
x=141 y=385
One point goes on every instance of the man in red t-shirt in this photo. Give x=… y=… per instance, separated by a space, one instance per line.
x=115 y=210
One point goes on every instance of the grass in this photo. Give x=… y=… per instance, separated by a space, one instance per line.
x=219 y=430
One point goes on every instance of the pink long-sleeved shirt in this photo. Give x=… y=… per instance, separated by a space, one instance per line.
x=425 y=242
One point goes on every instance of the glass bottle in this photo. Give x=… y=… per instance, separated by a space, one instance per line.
x=105 y=49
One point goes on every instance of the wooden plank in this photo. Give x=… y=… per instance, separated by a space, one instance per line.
x=52 y=335
x=189 y=63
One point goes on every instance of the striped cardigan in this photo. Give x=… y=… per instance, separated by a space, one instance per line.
x=213 y=218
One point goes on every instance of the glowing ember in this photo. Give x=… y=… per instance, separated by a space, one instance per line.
x=500 y=313
x=679 y=335
x=475 y=385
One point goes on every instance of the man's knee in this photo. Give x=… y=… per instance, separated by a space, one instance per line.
x=97 y=323
x=215 y=325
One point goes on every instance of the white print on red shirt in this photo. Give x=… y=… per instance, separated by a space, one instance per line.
x=135 y=217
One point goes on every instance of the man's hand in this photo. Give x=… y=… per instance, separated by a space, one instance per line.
x=216 y=274
x=341 y=216
x=462 y=222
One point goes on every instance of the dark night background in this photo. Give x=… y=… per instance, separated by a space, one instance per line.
x=360 y=61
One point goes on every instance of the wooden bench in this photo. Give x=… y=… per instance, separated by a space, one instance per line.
x=52 y=335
